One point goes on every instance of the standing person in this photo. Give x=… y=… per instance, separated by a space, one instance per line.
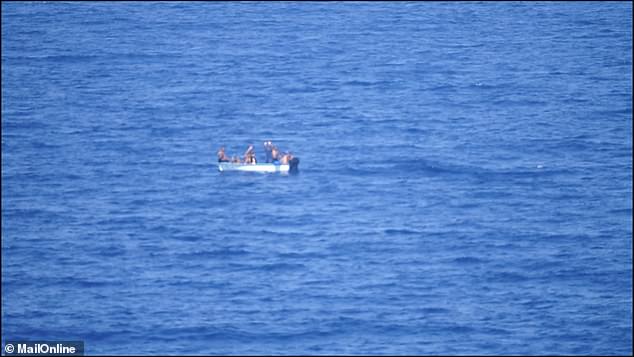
x=272 y=152
x=267 y=150
x=275 y=154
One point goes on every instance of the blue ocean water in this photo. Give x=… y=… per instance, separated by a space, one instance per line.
x=465 y=182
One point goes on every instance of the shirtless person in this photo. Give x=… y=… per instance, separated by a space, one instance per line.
x=222 y=157
x=286 y=158
x=275 y=153
x=249 y=156
x=272 y=152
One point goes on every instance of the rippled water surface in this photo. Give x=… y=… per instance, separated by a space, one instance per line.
x=465 y=183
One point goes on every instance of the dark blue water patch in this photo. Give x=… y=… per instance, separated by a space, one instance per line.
x=627 y=212
x=431 y=167
x=179 y=282
x=205 y=333
x=582 y=275
x=507 y=277
x=42 y=333
x=112 y=251
x=267 y=267
x=402 y=232
x=468 y=260
x=18 y=120
x=226 y=253
x=301 y=256
x=280 y=267
x=42 y=215
x=434 y=310
x=51 y=60
x=615 y=114
x=68 y=283
x=519 y=103
x=189 y=237
x=451 y=170
x=378 y=287
x=539 y=304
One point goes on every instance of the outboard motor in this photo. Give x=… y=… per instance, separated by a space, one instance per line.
x=294 y=165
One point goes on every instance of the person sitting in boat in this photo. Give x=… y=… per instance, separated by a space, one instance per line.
x=286 y=158
x=235 y=159
x=249 y=156
x=222 y=157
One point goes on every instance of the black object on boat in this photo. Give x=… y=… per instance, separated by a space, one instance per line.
x=294 y=165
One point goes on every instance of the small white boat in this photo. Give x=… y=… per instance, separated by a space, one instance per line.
x=230 y=166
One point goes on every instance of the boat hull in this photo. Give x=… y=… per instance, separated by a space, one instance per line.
x=228 y=166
